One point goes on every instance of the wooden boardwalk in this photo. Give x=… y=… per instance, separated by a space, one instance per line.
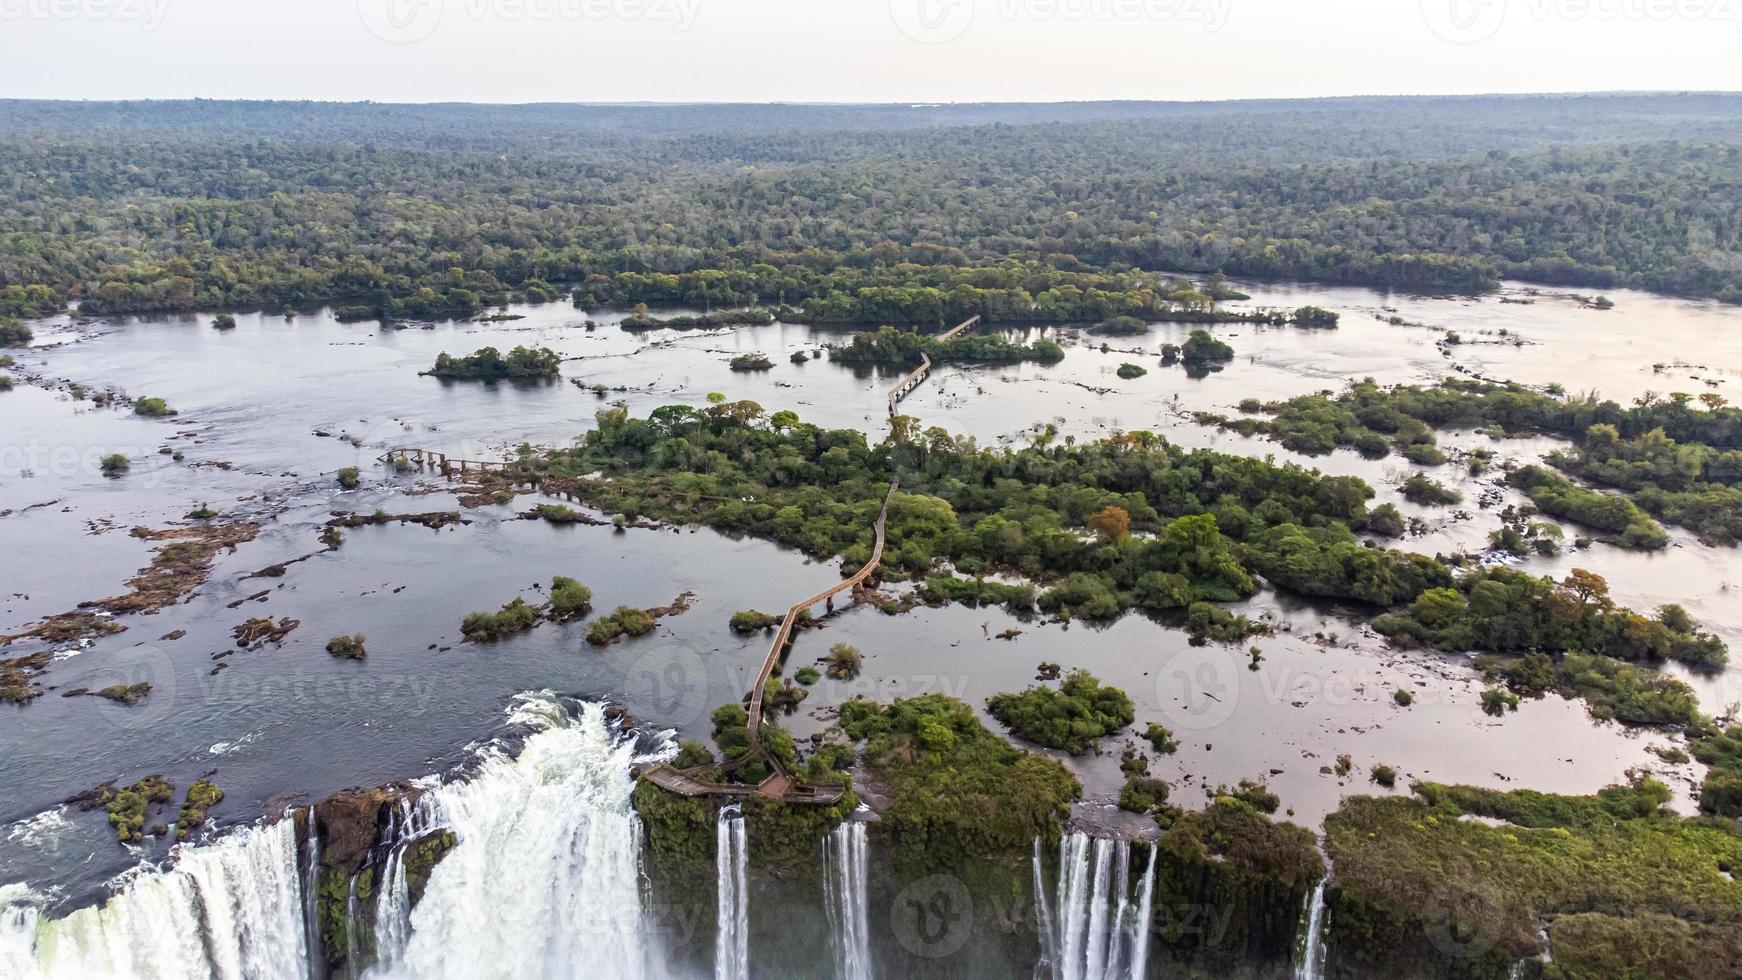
x=778 y=786
x=911 y=379
x=449 y=467
x=783 y=637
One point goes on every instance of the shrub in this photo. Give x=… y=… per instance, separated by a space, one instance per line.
x=620 y=622
x=569 y=598
x=348 y=647
x=1070 y=718
x=1425 y=490
x=747 y=621
x=114 y=464
x=1402 y=698
x=14 y=334
x=484 y=627
x=223 y=321
x=807 y=675
x=1160 y=739
x=1129 y=371
x=348 y=478
x=1384 y=775
x=844 y=662
x=152 y=407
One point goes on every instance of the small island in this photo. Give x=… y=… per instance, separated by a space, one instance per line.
x=488 y=364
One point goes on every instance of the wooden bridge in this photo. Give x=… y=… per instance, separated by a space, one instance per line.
x=912 y=379
x=427 y=459
x=783 y=638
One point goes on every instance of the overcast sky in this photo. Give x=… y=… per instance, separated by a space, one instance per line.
x=857 y=50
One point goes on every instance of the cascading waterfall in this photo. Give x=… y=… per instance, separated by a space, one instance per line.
x=545 y=878
x=311 y=921
x=1311 y=964
x=845 y=857
x=231 y=910
x=1099 y=933
x=408 y=824
x=543 y=882
x=732 y=940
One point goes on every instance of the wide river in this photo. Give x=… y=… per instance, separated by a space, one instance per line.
x=264 y=415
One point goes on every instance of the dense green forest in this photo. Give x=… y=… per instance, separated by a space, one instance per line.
x=434 y=211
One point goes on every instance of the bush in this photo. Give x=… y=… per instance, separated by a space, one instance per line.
x=1384 y=775
x=1201 y=348
x=844 y=662
x=1129 y=371
x=484 y=627
x=223 y=321
x=348 y=478
x=152 y=407
x=14 y=334
x=556 y=513
x=747 y=621
x=1425 y=490
x=1402 y=698
x=1208 y=621
x=115 y=464
x=1160 y=739
x=622 y=621
x=1070 y=718
x=349 y=647
x=807 y=675
x=569 y=598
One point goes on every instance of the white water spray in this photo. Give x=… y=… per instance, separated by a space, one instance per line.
x=545 y=878
x=230 y=910
x=732 y=939
x=1100 y=934
x=845 y=860
x=1311 y=964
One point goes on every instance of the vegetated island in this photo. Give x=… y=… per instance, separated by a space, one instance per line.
x=488 y=364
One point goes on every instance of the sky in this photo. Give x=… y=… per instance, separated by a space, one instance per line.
x=857 y=50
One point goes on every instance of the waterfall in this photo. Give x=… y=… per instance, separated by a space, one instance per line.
x=311 y=919
x=545 y=878
x=732 y=940
x=1143 y=924
x=1099 y=934
x=845 y=857
x=405 y=827
x=231 y=910
x=544 y=881
x=1043 y=920
x=1311 y=965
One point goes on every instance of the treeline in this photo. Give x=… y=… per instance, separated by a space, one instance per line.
x=195 y=217
x=1129 y=522
x=889 y=346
